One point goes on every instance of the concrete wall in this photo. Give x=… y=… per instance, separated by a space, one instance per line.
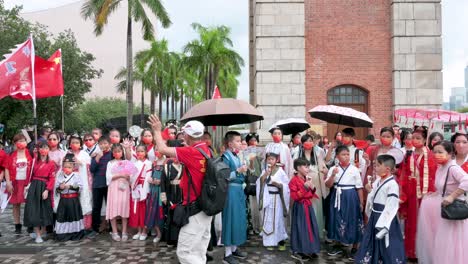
x=417 y=53
x=278 y=56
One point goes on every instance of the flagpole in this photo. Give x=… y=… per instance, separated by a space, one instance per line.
x=33 y=88
x=63 y=120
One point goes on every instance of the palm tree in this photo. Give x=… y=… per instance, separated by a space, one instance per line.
x=212 y=53
x=100 y=10
x=156 y=61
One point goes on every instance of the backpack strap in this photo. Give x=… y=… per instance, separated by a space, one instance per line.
x=204 y=153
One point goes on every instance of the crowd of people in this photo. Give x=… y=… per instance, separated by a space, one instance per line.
x=371 y=202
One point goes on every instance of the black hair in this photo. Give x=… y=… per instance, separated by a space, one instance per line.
x=340 y=149
x=458 y=134
x=387 y=129
x=230 y=135
x=207 y=133
x=295 y=134
x=431 y=137
x=252 y=135
x=143 y=132
x=69 y=157
x=78 y=138
x=349 y=131
x=103 y=138
x=88 y=135
x=304 y=138
x=271 y=154
x=404 y=134
x=447 y=145
x=117 y=146
x=274 y=129
x=422 y=130
x=396 y=126
x=387 y=160
x=43 y=130
x=371 y=138
x=39 y=145
x=300 y=162
x=144 y=147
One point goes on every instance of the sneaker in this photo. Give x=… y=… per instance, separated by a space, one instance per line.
x=124 y=237
x=156 y=239
x=300 y=257
x=335 y=251
x=39 y=240
x=143 y=237
x=282 y=247
x=33 y=235
x=115 y=237
x=136 y=236
x=230 y=260
x=270 y=248
x=239 y=254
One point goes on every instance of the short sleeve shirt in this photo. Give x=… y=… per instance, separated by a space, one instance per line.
x=195 y=163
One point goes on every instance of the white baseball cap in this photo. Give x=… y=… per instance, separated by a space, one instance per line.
x=194 y=129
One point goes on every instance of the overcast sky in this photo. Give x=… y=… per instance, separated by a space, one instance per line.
x=234 y=13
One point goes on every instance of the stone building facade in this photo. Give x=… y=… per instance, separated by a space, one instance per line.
x=371 y=55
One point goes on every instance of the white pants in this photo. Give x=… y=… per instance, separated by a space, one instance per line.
x=193 y=239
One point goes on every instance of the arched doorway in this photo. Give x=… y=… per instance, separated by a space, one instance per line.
x=348 y=96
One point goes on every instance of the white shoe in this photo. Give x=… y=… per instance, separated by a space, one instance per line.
x=124 y=237
x=137 y=236
x=143 y=237
x=156 y=239
x=115 y=237
x=39 y=239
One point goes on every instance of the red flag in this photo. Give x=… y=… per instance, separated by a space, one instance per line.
x=48 y=76
x=216 y=93
x=16 y=75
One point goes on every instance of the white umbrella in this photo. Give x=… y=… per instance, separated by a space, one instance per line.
x=341 y=116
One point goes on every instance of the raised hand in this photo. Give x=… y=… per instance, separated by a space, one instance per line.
x=155 y=123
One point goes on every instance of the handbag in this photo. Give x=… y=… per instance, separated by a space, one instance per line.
x=181 y=211
x=458 y=210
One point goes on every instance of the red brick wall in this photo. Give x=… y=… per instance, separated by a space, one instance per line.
x=349 y=42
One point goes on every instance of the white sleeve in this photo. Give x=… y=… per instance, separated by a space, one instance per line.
x=391 y=206
x=108 y=173
x=285 y=182
x=357 y=179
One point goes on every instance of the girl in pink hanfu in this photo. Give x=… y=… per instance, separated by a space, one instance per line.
x=119 y=175
x=441 y=240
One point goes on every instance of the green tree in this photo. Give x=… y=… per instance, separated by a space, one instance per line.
x=100 y=10
x=211 y=54
x=76 y=65
x=95 y=112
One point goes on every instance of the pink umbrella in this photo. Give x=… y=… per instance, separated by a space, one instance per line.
x=341 y=116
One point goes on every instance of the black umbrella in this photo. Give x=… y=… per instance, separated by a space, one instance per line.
x=291 y=125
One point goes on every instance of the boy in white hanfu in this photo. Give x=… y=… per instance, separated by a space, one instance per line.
x=273 y=203
x=383 y=241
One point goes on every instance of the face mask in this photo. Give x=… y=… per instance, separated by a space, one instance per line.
x=347 y=140
x=276 y=138
x=75 y=146
x=117 y=155
x=141 y=156
x=417 y=143
x=147 y=140
x=52 y=144
x=67 y=171
x=114 y=140
x=172 y=137
x=440 y=158
x=20 y=145
x=308 y=145
x=44 y=152
x=297 y=141
x=344 y=164
x=89 y=144
x=236 y=151
x=409 y=143
x=386 y=141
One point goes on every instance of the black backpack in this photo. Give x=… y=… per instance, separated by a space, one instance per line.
x=214 y=186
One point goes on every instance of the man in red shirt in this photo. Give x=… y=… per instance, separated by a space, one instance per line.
x=194 y=236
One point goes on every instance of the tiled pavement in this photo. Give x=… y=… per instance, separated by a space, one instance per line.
x=20 y=249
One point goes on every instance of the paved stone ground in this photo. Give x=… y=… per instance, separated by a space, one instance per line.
x=21 y=249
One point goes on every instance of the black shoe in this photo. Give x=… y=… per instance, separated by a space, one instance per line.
x=238 y=254
x=230 y=260
x=300 y=257
x=335 y=251
x=91 y=234
x=352 y=254
x=209 y=258
x=18 y=229
x=313 y=256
